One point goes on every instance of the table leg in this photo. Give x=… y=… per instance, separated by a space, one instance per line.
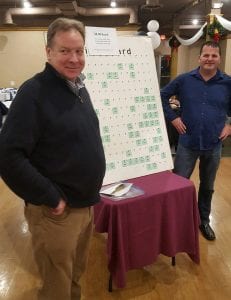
x=173 y=261
x=110 y=283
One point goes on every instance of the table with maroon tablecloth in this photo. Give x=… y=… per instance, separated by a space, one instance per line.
x=164 y=220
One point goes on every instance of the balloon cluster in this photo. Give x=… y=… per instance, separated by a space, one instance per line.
x=152 y=27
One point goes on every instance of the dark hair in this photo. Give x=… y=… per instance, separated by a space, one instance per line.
x=210 y=44
x=64 y=24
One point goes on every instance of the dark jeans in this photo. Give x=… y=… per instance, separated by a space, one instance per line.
x=209 y=160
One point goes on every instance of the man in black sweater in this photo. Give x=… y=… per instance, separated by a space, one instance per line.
x=51 y=155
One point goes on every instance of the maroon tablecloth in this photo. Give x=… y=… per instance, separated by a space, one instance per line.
x=162 y=221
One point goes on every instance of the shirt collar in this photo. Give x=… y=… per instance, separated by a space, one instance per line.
x=196 y=73
x=78 y=82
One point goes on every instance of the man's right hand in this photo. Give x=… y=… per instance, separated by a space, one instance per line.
x=179 y=125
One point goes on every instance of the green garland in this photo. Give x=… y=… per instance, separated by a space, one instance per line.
x=216 y=25
x=173 y=42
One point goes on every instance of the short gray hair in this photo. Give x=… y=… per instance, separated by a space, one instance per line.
x=64 y=24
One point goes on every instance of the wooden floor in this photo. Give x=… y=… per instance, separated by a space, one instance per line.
x=186 y=281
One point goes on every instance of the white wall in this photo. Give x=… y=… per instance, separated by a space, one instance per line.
x=22 y=54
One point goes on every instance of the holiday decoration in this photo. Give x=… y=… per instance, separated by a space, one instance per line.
x=215 y=30
x=173 y=42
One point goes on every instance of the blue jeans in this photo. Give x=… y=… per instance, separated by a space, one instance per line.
x=209 y=160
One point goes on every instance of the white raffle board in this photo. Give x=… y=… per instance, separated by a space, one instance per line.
x=125 y=93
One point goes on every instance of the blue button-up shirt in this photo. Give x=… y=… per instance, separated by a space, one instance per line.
x=205 y=106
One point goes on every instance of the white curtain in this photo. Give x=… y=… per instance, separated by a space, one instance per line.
x=225 y=23
x=192 y=39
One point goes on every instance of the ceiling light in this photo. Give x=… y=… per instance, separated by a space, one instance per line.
x=26 y=4
x=195 y=21
x=217 y=4
x=113 y=4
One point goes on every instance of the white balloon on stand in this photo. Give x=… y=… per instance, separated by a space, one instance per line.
x=155 y=37
x=153 y=25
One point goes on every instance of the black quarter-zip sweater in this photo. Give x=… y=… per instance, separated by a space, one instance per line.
x=50 y=144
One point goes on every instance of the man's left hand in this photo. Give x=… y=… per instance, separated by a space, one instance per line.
x=226 y=131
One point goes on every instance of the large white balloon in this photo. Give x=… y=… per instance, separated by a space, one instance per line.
x=150 y=34
x=155 y=37
x=153 y=25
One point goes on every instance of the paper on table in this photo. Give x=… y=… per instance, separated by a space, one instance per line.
x=118 y=189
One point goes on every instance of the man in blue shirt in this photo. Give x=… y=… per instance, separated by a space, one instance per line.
x=205 y=99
